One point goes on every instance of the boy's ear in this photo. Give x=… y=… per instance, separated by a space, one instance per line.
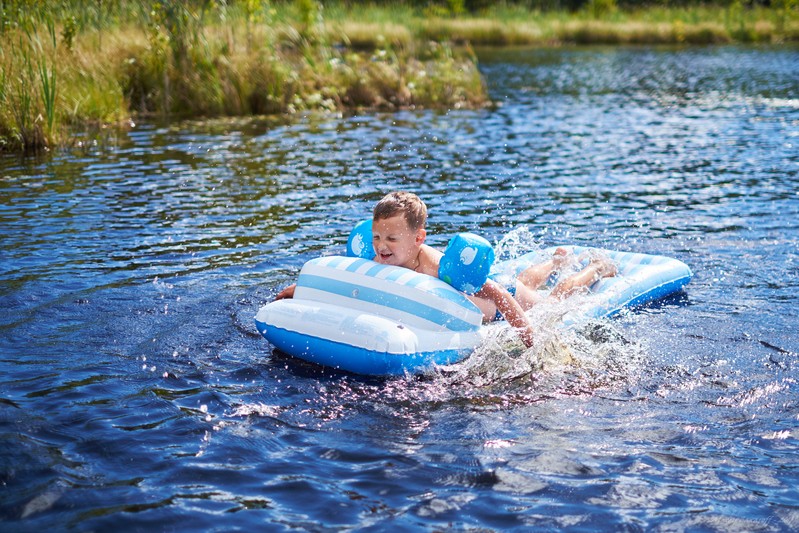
x=421 y=233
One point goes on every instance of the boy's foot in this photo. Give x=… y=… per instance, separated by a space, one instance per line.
x=562 y=258
x=605 y=268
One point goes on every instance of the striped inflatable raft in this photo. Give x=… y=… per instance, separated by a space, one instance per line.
x=356 y=315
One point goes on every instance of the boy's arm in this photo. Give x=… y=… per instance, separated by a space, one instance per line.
x=510 y=309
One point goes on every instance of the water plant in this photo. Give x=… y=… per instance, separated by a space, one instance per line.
x=47 y=78
x=27 y=117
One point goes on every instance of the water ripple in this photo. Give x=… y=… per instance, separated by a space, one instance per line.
x=135 y=391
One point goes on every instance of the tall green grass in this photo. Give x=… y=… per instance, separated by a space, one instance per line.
x=65 y=68
x=28 y=92
x=599 y=22
x=76 y=64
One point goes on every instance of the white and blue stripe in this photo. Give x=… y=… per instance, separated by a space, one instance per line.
x=392 y=292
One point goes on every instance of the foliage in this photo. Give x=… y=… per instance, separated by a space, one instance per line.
x=600 y=8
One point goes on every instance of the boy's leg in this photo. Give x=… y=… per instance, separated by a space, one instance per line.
x=598 y=268
x=536 y=276
x=526 y=296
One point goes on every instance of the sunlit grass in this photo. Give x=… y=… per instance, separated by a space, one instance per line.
x=508 y=25
x=370 y=35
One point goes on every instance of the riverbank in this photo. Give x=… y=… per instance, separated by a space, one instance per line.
x=71 y=69
x=599 y=22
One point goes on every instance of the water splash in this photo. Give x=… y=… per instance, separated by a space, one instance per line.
x=515 y=243
x=574 y=359
x=561 y=361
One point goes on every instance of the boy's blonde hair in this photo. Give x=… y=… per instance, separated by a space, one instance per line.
x=406 y=204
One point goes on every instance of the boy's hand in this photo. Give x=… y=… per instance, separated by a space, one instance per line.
x=288 y=292
x=527 y=336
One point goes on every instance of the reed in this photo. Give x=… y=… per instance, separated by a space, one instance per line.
x=20 y=116
x=47 y=79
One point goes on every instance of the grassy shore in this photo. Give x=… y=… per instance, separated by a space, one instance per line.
x=80 y=66
x=599 y=22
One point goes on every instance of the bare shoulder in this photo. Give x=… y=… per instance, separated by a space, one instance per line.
x=432 y=253
x=429 y=260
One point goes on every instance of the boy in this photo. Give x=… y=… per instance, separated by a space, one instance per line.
x=398 y=237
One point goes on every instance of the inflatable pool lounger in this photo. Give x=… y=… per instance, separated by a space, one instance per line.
x=354 y=314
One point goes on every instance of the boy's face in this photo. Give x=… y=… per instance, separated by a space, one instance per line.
x=395 y=243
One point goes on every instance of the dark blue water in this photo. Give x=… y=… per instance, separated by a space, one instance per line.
x=135 y=393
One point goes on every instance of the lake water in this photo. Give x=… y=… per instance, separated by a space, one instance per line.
x=136 y=394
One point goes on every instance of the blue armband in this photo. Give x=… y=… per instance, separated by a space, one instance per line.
x=360 y=242
x=467 y=262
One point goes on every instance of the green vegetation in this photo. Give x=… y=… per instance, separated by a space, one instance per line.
x=82 y=65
